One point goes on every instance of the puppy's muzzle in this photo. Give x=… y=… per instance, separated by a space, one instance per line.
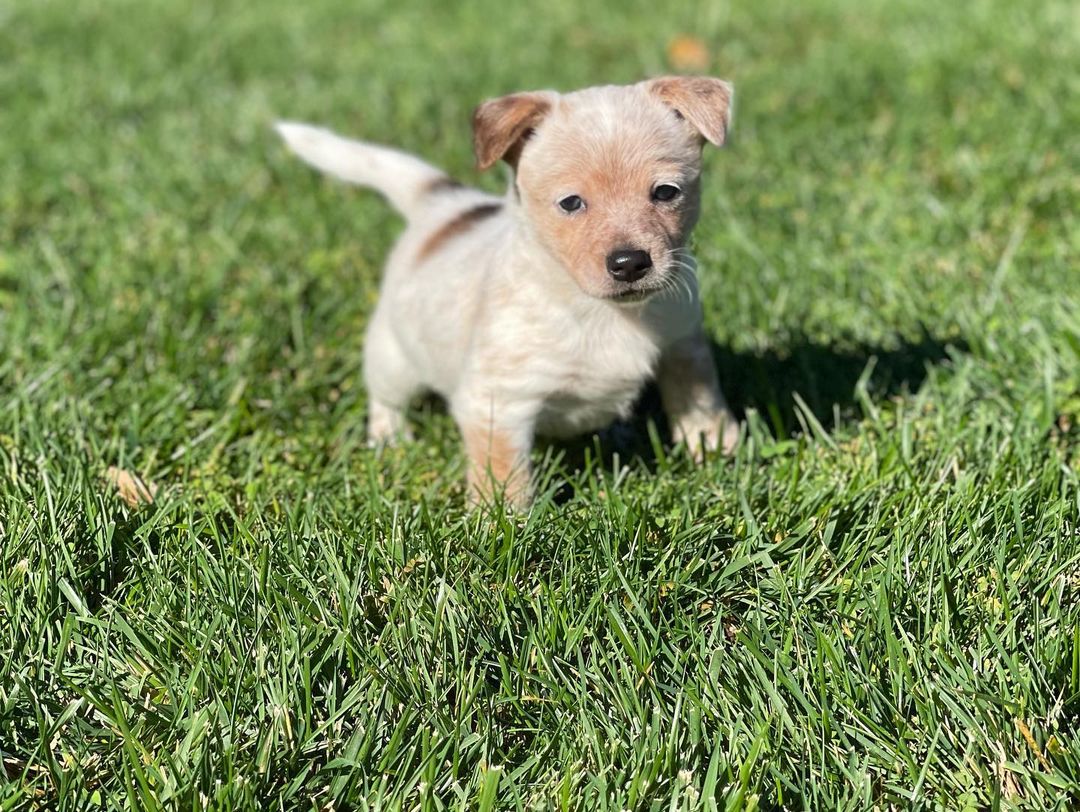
x=628 y=265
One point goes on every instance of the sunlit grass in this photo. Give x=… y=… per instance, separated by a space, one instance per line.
x=873 y=604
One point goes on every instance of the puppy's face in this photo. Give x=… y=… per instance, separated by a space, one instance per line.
x=608 y=177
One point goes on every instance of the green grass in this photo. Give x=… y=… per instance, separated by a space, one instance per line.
x=874 y=604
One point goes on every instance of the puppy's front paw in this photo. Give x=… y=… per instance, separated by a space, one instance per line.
x=703 y=434
x=515 y=496
x=498 y=466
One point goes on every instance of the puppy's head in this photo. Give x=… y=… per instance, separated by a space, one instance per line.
x=608 y=177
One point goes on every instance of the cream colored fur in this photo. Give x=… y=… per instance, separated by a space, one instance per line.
x=515 y=320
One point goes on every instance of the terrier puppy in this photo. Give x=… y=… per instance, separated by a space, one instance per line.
x=546 y=311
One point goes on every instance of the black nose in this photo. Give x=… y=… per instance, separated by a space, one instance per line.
x=628 y=266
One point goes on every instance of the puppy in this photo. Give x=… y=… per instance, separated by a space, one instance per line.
x=544 y=312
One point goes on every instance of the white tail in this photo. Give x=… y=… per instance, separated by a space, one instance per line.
x=402 y=179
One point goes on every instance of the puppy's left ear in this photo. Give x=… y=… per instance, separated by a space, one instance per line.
x=501 y=125
x=703 y=101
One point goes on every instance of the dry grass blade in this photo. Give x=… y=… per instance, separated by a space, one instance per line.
x=1025 y=731
x=133 y=489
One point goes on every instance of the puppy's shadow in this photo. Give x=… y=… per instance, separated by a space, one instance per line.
x=824 y=376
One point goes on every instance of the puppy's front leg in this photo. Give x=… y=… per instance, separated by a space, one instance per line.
x=695 y=406
x=497 y=455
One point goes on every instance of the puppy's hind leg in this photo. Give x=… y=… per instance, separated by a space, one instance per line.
x=386 y=424
x=390 y=386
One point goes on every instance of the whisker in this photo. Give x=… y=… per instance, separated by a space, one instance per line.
x=680 y=281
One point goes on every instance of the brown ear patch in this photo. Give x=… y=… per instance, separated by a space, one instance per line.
x=703 y=101
x=456 y=226
x=499 y=125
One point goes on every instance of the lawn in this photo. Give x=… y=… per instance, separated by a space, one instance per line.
x=874 y=604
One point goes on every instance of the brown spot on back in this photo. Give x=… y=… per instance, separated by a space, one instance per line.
x=443 y=183
x=458 y=225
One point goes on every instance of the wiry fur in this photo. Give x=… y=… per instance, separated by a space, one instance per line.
x=506 y=307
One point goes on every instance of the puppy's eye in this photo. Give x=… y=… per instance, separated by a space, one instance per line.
x=571 y=203
x=665 y=192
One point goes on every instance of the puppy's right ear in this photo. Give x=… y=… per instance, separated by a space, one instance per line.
x=501 y=125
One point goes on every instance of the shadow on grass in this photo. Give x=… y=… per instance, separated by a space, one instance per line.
x=824 y=376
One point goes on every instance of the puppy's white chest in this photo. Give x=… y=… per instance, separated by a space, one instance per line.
x=598 y=384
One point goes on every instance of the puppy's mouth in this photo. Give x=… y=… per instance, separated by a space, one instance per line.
x=636 y=293
x=633 y=295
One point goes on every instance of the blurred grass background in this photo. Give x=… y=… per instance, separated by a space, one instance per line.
x=874 y=604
